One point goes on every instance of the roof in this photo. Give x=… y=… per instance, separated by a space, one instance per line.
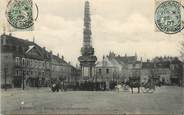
x=176 y=61
x=147 y=65
x=126 y=59
x=21 y=47
x=57 y=59
x=163 y=64
x=25 y=46
x=106 y=62
x=30 y=48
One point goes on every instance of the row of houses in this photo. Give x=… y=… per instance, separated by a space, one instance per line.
x=168 y=70
x=25 y=63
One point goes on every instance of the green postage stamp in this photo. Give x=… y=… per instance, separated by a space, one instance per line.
x=19 y=14
x=168 y=16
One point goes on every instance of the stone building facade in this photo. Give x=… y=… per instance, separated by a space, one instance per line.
x=116 y=68
x=26 y=64
x=168 y=70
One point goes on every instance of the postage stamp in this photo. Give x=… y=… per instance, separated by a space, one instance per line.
x=19 y=14
x=168 y=18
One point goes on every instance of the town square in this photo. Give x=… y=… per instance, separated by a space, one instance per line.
x=165 y=100
x=77 y=59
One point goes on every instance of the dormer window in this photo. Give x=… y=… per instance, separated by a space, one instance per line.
x=17 y=61
x=4 y=40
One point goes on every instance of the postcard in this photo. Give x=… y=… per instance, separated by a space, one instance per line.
x=92 y=57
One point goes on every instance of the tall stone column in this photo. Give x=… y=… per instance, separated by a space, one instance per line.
x=87 y=59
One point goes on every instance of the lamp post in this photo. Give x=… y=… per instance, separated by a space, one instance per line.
x=23 y=80
x=5 y=77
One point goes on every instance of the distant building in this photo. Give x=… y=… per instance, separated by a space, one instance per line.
x=24 y=63
x=108 y=70
x=116 y=68
x=168 y=69
x=176 y=68
x=146 y=71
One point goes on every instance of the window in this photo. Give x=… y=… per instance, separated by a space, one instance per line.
x=172 y=67
x=43 y=64
x=33 y=63
x=28 y=63
x=27 y=72
x=100 y=71
x=17 y=61
x=134 y=65
x=17 y=73
x=38 y=62
x=107 y=70
x=4 y=40
x=23 y=62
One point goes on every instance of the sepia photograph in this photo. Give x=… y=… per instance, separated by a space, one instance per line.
x=119 y=57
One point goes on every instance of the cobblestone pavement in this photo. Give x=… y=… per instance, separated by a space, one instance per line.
x=166 y=99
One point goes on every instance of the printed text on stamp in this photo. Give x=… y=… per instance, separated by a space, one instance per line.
x=168 y=17
x=19 y=13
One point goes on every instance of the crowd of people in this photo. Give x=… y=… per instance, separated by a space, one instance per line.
x=131 y=83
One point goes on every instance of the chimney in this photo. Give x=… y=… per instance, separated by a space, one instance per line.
x=103 y=57
x=10 y=34
x=136 y=55
x=50 y=52
x=44 y=48
x=57 y=54
x=62 y=57
x=141 y=59
x=4 y=40
x=33 y=39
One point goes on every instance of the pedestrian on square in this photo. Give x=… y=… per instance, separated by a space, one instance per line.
x=152 y=83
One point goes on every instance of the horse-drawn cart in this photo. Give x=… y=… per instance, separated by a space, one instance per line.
x=148 y=86
x=134 y=82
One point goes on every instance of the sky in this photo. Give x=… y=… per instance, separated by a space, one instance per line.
x=122 y=26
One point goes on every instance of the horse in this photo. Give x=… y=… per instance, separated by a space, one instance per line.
x=134 y=82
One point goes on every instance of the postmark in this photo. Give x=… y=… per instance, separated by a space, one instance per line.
x=19 y=14
x=168 y=17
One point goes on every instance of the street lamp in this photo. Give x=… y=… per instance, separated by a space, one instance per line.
x=5 y=76
x=23 y=80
